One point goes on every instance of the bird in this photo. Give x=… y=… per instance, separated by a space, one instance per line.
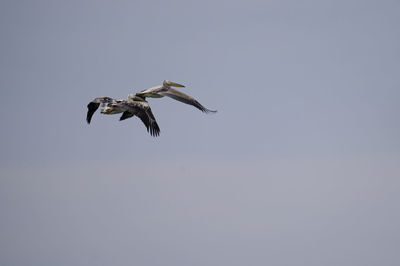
x=166 y=90
x=134 y=105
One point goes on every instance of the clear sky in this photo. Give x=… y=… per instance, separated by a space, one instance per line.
x=300 y=166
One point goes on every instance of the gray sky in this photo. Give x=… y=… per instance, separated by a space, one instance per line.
x=299 y=166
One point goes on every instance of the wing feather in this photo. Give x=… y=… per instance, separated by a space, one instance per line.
x=182 y=97
x=143 y=111
x=126 y=115
x=94 y=105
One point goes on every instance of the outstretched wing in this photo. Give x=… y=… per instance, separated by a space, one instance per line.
x=149 y=121
x=94 y=105
x=182 y=97
x=143 y=111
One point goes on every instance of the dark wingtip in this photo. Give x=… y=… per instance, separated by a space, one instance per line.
x=155 y=134
x=155 y=130
x=208 y=111
x=92 y=107
x=89 y=116
x=212 y=111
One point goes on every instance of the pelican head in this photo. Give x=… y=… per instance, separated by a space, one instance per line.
x=167 y=83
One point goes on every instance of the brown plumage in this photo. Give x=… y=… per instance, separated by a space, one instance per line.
x=129 y=108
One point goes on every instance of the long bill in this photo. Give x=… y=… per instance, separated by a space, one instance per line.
x=173 y=84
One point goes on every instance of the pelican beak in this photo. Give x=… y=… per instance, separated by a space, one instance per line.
x=175 y=84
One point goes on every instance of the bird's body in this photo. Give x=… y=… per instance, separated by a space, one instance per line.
x=113 y=109
x=132 y=106
x=166 y=90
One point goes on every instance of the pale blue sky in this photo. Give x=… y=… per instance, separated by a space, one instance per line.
x=298 y=167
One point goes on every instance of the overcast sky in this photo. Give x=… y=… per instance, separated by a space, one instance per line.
x=300 y=166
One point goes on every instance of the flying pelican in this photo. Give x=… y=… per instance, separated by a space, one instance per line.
x=131 y=107
x=166 y=90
